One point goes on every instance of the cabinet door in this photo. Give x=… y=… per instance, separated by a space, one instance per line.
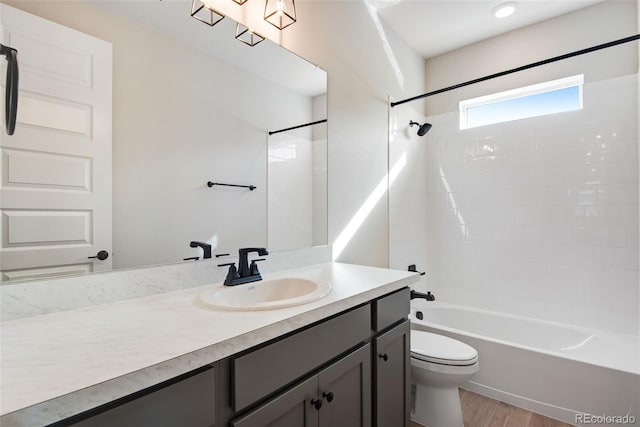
x=290 y=409
x=345 y=390
x=392 y=376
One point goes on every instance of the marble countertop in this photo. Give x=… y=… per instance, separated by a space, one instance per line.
x=56 y=365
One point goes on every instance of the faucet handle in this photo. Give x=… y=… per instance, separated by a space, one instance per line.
x=253 y=267
x=412 y=268
x=232 y=274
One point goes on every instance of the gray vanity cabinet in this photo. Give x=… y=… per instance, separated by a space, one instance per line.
x=392 y=362
x=187 y=402
x=261 y=372
x=393 y=376
x=338 y=396
x=348 y=370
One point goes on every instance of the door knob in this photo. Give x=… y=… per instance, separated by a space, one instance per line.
x=384 y=356
x=102 y=255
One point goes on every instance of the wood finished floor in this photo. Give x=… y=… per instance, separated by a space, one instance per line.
x=481 y=411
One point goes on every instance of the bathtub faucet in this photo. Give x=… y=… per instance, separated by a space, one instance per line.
x=428 y=296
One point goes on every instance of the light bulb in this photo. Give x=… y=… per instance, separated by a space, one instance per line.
x=505 y=9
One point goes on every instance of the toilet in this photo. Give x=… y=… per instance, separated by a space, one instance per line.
x=439 y=365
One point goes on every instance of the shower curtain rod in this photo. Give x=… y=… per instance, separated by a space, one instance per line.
x=298 y=127
x=522 y=68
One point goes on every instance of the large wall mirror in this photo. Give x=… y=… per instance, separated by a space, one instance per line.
x=125 y=169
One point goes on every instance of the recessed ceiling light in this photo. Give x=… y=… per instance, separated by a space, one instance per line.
x=505 y=9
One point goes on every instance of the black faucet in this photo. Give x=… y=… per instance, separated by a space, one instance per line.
x=428 y=296
x=245 y=273
x=205 y=247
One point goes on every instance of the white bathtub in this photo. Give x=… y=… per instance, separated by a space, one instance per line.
x=549 y=368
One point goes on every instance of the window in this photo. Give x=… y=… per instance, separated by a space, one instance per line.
x=551 y=97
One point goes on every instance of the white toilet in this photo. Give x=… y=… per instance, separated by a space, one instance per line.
x=439 y=365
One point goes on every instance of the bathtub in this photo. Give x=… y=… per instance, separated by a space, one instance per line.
x=556 y=370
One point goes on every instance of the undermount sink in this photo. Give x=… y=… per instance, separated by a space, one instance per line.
x=265 y=294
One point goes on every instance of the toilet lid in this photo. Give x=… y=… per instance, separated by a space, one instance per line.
x=436 y=348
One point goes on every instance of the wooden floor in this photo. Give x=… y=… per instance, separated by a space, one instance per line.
x=481 y=411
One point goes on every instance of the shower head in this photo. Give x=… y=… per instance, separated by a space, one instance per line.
x=423 y=129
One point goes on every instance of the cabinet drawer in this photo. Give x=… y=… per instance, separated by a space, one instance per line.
x=187 y=403
x=263 y=371
x=390 y=309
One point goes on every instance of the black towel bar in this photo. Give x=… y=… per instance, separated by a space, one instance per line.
x=250 y=187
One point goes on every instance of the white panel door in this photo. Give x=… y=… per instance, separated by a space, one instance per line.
x=55 y=171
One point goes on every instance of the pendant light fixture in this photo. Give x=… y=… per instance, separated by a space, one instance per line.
x=280 y=13
x=246 y=36
x=204 y=13
x=240 y=2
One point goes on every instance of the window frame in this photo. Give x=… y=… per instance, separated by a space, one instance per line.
x=521 y=92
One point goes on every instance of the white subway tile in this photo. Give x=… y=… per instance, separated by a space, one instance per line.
x=584 y=195
x=558 y=196
x=564 y=176
x=536 y=217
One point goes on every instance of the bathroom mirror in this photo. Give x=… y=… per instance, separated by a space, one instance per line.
x=191 y=104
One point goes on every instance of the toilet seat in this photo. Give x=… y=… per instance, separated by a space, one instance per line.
x=434 y=348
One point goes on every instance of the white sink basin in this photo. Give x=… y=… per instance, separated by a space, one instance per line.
x=265 y=294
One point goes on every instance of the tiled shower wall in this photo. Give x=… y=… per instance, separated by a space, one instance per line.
x=536 y=217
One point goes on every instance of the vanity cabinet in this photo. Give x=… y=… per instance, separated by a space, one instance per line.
x=348 y=370
x=188 y=401
x=339 y=395
x=392 y=360
x=393 y=376
x=260 y=372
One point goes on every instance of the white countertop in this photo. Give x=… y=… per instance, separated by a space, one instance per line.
x=57 y=365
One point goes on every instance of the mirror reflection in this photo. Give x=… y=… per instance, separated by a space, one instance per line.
x=126 y=111
x=297 y=165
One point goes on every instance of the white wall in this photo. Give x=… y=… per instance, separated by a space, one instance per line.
x=600 y=23
x=537 y=217
x=366 y=62
x=180 y=120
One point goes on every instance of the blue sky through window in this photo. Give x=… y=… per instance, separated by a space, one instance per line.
x=556 y=101
x=550 y=97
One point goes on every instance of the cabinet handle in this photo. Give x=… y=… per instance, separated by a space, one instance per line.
x=317 y=403
x=383 y=356
x=328 y=396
